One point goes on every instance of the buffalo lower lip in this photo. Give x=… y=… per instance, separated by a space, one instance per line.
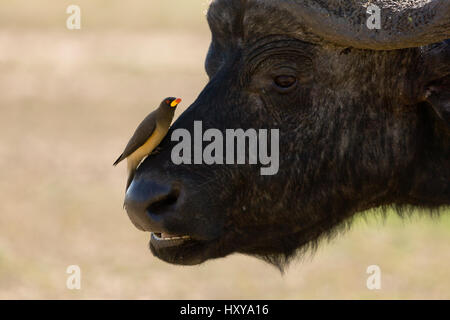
x=159 y=242
x=168 y=237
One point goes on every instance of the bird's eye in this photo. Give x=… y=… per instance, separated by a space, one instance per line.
x=285 y=82
x=167 y=101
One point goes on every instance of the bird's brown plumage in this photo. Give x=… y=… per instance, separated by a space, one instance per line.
x=148 y=135
x=141 y=135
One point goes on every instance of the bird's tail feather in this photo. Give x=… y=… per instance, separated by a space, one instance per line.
x=118 y=160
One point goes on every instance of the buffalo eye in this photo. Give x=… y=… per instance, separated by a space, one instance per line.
x=285 y=82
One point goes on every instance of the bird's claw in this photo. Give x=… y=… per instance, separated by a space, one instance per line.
x=156 y=150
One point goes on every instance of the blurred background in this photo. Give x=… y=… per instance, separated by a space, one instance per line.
x=69 y=101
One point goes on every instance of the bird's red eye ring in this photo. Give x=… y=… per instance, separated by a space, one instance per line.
x=167 y=101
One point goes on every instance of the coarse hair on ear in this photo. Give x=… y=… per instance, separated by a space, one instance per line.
x=439 y=98
x=437 y=88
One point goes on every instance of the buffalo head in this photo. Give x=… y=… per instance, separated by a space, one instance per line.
x=363 y=120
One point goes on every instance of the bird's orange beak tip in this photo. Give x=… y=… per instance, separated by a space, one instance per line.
x=175 y=102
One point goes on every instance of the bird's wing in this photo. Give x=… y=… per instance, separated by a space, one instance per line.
x=140 y=136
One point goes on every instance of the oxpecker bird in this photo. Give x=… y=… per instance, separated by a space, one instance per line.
x=148 y=136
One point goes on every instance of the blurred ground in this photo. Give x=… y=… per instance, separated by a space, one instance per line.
x=68 y=103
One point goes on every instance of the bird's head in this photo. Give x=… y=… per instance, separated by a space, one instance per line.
x=171 y=102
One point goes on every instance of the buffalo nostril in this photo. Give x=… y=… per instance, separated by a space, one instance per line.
x=165 y=202
x=147 y=199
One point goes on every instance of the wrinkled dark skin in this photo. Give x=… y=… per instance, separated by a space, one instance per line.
x=359 y=129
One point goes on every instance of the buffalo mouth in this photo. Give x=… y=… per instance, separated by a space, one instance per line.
x=176 y=249
x=165 y=240
x=183 y=249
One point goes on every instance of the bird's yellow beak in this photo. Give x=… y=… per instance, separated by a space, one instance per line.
x=175 y=103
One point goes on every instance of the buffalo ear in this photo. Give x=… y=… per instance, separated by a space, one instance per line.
x=439 y=97
x=437 y=71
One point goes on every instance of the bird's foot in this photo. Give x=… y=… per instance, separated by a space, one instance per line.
x=156 y=150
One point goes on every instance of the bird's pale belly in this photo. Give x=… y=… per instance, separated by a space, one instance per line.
x=136 y=157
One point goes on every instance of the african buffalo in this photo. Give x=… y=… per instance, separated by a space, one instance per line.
x=363 y=117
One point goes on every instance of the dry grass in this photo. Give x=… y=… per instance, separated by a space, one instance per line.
x=68 y=100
